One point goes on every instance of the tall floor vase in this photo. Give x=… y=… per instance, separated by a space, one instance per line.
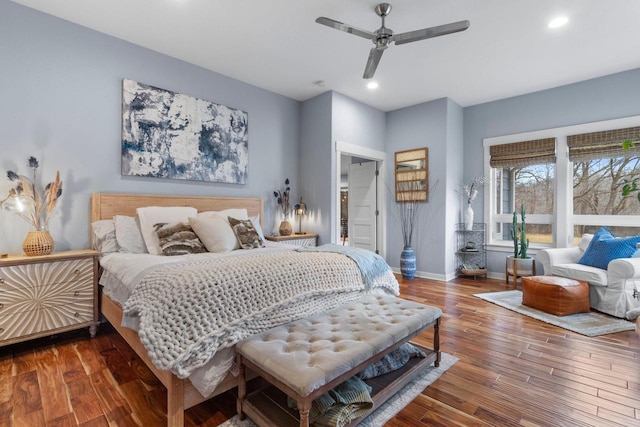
x=408 y=263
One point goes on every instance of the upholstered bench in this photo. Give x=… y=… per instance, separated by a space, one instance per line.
x=309 y=357
x=556 y=295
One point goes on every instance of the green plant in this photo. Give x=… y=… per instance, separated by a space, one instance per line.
x=521 y=243
x=630 y=186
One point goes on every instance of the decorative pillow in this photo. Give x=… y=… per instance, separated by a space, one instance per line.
x=104 y=236
x=392 y=361
x=129 y=235
x=605 y=247
x=178 y=239
x=216 y=233
x=152 y=215
x=246 y=233
x=584 y=242
x=256 y=224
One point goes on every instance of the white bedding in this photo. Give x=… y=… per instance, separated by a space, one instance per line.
x=123 y=272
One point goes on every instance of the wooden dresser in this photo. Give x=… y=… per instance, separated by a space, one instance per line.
x=44 y=295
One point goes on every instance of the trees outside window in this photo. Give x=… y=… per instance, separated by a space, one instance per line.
x=575 y=190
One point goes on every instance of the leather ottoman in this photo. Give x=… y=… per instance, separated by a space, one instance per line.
x=556 y=295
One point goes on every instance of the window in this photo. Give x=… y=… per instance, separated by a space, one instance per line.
x=569 y=180
x=599 y=165
x=523 y=174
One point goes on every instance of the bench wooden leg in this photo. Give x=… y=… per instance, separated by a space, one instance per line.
x=242 y=387
x=304 y=406
x=436 y=342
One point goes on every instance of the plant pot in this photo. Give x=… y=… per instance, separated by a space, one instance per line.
x=285 y=228
x=408 y=263
x=519 y=267
x=38 y=242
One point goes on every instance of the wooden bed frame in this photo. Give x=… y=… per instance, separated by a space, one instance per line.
x=181 y=395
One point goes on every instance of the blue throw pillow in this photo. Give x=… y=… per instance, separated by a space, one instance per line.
x=605 y=247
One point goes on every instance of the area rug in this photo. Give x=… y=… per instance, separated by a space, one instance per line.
x=394 y=405
x=590 y=324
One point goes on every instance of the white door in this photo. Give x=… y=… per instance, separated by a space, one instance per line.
x=362 y=205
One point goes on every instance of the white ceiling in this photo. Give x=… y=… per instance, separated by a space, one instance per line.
x=276 y=45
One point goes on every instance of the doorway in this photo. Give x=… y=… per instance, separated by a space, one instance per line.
x=359 y=196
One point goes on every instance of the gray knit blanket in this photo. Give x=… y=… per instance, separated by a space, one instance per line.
x=371 y=265
x=188 y=311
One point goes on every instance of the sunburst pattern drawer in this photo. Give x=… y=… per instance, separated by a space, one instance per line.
x=30 y=278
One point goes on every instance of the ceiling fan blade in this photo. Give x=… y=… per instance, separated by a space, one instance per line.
x=346 y=28
x=427 y=33
x=372 y=63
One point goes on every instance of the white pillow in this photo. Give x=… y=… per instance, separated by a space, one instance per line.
x=152 y=215
x=129 y=235
x=233 y=213
x=215 y=233
x=584 y=242
x=104 y=236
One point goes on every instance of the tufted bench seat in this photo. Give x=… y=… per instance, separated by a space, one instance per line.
x=310 y=356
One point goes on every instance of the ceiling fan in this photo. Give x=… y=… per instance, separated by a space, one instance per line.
x=383 y=36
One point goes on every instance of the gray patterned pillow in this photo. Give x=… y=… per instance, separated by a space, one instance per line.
x=128 y=234
x=178 y=239
x=246 y=233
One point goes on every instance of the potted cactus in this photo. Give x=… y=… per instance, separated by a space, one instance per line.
x=519 y=264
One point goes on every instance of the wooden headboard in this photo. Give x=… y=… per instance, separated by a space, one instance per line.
x=106 y=205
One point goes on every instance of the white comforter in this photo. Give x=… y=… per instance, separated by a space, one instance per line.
x=123 y=273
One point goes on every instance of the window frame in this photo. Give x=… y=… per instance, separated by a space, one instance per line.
x=563 y=219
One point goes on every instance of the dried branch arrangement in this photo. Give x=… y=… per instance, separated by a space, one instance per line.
x=28 y=201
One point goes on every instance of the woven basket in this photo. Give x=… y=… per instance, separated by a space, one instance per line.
x=478 y=272
x=38 y=243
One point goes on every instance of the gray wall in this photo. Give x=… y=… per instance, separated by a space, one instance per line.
x=316 y=174
x=61 y=102
x=423 y=125
x=328 y=118
x=604 y=98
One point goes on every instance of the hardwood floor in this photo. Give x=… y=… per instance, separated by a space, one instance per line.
x=513 y=370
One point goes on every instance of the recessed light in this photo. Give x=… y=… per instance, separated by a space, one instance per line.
x=372 y=85
x=558 y=21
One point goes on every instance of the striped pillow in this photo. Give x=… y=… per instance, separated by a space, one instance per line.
x=178 y=239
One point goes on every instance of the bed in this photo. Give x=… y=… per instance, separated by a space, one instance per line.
x=181 y=393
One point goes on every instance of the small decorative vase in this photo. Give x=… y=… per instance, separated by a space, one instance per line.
x=285 y=228
x=468 y=218
x=408 y=263
x=38 y=242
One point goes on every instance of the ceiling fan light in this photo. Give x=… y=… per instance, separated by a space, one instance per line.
x=558 y=21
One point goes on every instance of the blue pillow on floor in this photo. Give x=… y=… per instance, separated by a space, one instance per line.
x=605 y=247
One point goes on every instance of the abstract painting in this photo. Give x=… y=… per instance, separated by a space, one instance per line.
x=171 y=135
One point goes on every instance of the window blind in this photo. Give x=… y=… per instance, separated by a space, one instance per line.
x=523 y=153
x=603 y=145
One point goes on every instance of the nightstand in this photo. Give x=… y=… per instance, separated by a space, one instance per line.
x=306 y=239
x=49 y=294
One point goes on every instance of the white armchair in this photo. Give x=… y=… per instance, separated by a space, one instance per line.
x=611 y=291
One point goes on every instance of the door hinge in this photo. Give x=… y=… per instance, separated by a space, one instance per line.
x=377 y=172
x=377 y=212
x=377 y=252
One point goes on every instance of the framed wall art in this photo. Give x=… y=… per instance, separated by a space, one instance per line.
x=412 y=177
x=171 y=135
